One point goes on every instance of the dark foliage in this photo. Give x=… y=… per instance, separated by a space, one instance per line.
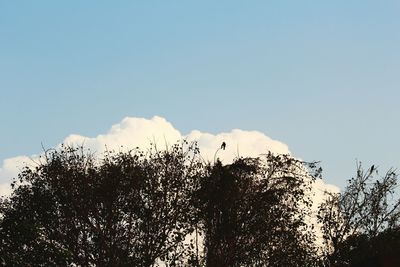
x=356 y=222
x=146 y=208
x=254 y=211
x=130 y=209
x=382 y=250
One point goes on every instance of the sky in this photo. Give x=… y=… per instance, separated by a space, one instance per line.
x=321 y=77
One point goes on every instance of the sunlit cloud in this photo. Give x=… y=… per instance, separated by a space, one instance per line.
x=139 y=132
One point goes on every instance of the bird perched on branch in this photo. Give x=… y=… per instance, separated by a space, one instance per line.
x=223 y=145
x=372 y=169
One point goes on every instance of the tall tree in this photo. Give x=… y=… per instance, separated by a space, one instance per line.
x=128 y=209
x=254 y=212
x=367 y=208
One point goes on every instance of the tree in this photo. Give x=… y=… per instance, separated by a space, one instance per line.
x=362 y=213
x=128 y=209
x=362 y=250
x=169 y=208
x=254 y=212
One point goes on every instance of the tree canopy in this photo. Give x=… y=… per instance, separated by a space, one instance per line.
x=358 y=221
x=170 y=208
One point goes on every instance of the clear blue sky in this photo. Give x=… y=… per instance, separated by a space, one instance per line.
x=321 y=76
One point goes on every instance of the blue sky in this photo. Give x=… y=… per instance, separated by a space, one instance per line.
x=321 y=76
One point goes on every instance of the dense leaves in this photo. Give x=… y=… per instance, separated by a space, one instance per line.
x=129 y=209
x=254 y=213
x=170 y=208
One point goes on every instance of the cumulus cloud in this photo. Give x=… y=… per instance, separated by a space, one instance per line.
x=130 y=133
x=239 y=143
x=139 y=132
x=10 y=169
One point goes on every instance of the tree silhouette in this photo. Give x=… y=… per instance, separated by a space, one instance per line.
x=361 y=214
x=129 y=209
x=253 y=212
x=170 y=208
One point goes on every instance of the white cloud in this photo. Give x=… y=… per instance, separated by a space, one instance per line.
x=139 y=132
x=238 y=143
x=130 y=133
x=9 y=170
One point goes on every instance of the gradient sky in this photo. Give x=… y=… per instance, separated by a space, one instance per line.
x=320 y=76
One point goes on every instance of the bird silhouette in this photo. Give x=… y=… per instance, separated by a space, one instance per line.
x=372 y=169
x=223 y=145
